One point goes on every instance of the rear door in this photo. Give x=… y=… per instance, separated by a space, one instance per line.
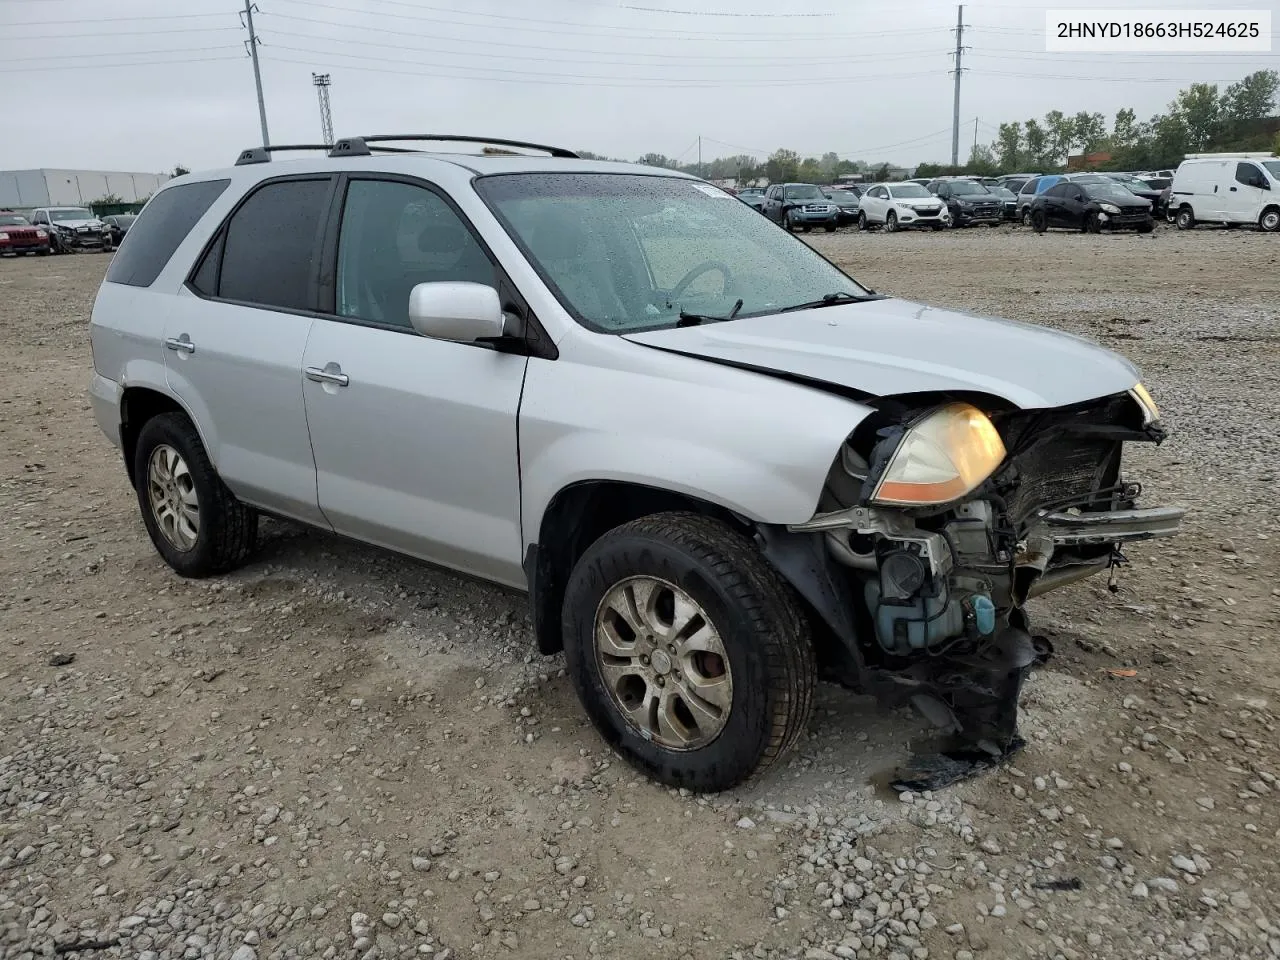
x=414 y=438
x=233 y=351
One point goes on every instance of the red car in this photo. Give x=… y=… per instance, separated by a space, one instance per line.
x=18 y=236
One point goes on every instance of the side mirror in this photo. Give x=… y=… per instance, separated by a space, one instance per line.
x=454 y=310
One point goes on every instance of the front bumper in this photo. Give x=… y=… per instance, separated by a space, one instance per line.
x=810 y=219
x=23 y=246
x=82 y=241
x=1110 y=526
x=1125 y=221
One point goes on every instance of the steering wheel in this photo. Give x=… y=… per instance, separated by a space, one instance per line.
x=697 y=271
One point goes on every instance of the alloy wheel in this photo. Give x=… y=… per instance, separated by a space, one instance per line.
x=663 y=663
x=171 y=493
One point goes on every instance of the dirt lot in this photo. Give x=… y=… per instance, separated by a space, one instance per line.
x=340 y=753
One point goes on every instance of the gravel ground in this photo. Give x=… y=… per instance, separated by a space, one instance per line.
x=340 y=753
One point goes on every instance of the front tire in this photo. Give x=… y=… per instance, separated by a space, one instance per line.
x=1270 y=220
x=1039 y=221
x=862 y=222
x=197 y=525
x=691 y=656
x=787 y=223
x=891 y=222
x=1092 y=223
x=1186 y=219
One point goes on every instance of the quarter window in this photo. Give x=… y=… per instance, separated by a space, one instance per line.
x=270 y=245
x=394 y=236
x=161 y=227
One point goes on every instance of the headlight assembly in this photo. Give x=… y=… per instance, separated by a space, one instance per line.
x=1108 y=207
x=941 y=458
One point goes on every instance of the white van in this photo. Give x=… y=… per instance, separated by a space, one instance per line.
x=1227 y=188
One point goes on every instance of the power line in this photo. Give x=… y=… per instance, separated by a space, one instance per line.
x=606 y=60
x=114 y=53
x=111 y=66
x=652 y=33
x=490 y=44
x=60 y=23
x=125 y=33
x=578 y=80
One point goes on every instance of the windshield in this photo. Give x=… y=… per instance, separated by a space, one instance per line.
x=124 y=219
x=909 y=191
x=803 y=191
x=1107 y=191
x=13 y=220
x=1273 y=167
x=968 y=188
x=628 y=252
x=70 y=213
x=750 y=192
x=842 y=196
x=1004 y=193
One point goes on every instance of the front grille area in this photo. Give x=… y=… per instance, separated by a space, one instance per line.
x=1061 y=472
x=927 y=211
x=1052 y=466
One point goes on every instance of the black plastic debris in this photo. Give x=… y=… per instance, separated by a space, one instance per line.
x=938 y=770
x=1066 y=883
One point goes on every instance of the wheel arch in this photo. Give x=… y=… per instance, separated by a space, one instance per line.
x=586 y=510
x=138 y=404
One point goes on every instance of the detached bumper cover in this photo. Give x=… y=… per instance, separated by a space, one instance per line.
x=1112 y=526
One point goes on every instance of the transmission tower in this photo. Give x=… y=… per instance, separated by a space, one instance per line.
x=321 y=81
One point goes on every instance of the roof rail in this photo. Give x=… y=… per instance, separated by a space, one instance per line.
x=263 y=154
x=1232 y=155
x=361 y=146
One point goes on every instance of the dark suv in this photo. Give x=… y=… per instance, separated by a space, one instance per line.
x=800 y=205
x=969 y=201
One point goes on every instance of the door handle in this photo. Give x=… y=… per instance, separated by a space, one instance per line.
x=330 y=373
x=1233 y=189
x=180 y=343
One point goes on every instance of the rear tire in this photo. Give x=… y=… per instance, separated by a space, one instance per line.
x=1185 y=219
x=172 y=473
x=765 y=671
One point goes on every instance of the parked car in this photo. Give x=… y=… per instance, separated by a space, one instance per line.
x=18 y=235
x=902 y=206
x=73 y=228
x=717 y=468
x=1030 y=190
x=1008 y=201
x=969 y=202
x=1227 y=188
x=1140 y=188
x=1092 y=205
x=118 y=224
x=753 y=197
x=849 y=203
x=801 y=205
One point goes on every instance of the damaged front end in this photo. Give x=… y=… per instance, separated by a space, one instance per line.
x=938 y=522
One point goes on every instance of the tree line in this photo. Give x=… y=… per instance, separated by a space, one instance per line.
x=1201 y=119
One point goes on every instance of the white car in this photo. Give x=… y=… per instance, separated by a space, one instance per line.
x=901 y=206
x=1231 y=188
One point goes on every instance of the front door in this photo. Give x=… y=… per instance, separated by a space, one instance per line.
x=234 y=342
x=414 y=438
x=1246 y=195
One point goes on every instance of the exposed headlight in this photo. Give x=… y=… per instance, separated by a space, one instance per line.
x=41 y=234
x=4 y=236
x=941 y=458
x=1150 y=412
x=1108 y=207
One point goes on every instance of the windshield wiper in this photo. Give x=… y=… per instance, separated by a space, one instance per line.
x=832 y=300
x=693 y=319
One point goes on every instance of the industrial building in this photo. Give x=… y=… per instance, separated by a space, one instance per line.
x=25 y=189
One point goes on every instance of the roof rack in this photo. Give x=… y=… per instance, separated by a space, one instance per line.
x=263 y=154
x=361 y=146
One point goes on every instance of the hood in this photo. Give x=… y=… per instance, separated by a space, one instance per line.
x=73 y=224
x=889 y=347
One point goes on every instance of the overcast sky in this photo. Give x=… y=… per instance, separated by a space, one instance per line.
x=142 y=85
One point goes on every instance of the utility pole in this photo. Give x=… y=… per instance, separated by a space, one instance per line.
x=321 y=81
x=975 y=133
x=955 y=109
x=699 y=154
x=257 y=74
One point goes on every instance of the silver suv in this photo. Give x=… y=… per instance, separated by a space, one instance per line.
x=718 y=465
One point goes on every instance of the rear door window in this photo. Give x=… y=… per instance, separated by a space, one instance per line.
x=161 y=227
x=269 y=247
